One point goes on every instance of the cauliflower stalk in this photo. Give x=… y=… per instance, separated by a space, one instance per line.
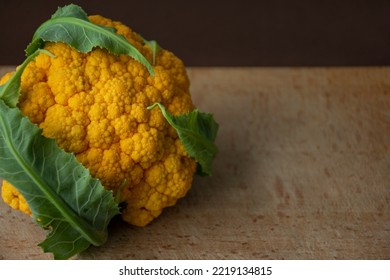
x=97 y=105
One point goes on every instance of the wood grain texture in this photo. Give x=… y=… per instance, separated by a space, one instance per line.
x=303 y=173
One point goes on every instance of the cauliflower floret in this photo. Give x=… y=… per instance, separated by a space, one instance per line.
x=95 y=106
x=13 y=198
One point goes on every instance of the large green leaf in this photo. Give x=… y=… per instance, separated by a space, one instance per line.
x=70 y=24
x=197 y=131
x=61 y=193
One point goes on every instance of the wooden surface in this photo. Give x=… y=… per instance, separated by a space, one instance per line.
x=303 y=173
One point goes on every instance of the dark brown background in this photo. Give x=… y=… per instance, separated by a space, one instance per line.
x=230 y=33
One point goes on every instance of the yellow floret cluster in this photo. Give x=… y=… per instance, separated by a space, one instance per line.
x=95 y=106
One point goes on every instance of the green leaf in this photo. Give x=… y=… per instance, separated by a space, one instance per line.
x=61 y=193
x=197 y=131
x=153 y=45
x=70 y=24
x=10 y=91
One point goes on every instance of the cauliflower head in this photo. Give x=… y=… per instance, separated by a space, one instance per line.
x=95 y=106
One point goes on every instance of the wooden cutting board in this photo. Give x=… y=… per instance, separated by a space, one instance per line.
x=303 y=173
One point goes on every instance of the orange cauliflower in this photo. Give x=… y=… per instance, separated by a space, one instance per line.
x=95 y=106
x=13 y=198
